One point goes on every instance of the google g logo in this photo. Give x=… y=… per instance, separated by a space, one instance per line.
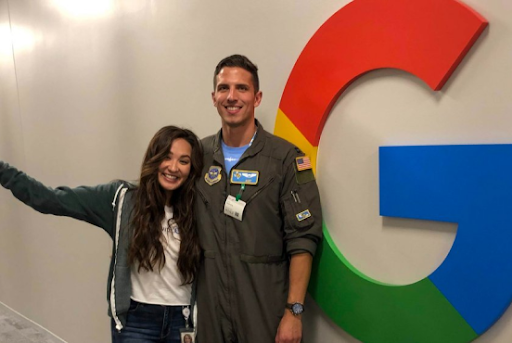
x=473 y=286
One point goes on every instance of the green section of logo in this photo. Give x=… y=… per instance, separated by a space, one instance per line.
x=376 y=312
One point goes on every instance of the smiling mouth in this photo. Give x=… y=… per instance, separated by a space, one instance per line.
x=170 y=177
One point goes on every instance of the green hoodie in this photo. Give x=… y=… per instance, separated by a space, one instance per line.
x=107 y=206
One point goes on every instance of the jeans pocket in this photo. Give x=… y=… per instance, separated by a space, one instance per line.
x=134 y=305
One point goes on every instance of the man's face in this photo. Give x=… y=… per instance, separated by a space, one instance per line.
x=235 y=96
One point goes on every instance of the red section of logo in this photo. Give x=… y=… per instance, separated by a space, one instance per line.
x=401 y=34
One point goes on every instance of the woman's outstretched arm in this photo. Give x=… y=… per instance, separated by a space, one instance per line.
x=90 y=204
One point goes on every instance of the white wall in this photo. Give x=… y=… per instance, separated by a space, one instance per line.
x=83 y=89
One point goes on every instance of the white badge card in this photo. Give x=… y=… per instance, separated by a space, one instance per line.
x=234 y=208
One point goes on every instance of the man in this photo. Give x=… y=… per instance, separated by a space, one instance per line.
x=259 y=221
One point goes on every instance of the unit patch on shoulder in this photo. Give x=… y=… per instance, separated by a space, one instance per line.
x=248 y=177
x=213 y=176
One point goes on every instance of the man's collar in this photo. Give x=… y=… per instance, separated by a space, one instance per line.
x=259 y=130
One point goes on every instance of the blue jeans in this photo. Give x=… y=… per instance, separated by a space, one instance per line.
x=147 y=323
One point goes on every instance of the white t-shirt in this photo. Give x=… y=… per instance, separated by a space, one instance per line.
x=163 y=287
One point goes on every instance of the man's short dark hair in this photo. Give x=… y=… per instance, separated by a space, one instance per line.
x=241 y=62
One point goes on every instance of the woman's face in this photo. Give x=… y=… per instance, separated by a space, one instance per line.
x=187 y=339
x=175 y=168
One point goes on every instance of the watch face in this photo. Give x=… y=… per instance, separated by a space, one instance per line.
x=297 y=308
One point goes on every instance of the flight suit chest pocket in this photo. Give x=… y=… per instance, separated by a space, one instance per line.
x=296 y=207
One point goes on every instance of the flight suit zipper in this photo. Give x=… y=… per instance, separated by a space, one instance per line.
x=259 y=190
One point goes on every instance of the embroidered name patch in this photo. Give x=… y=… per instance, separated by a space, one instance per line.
x=249 y=177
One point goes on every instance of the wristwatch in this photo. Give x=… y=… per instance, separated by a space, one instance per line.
x=296 y=308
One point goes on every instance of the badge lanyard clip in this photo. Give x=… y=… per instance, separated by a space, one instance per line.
x=186 y=314
x=239 y=195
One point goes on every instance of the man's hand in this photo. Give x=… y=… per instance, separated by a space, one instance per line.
x=290 y=329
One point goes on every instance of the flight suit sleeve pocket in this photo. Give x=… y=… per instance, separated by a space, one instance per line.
x=297 y=213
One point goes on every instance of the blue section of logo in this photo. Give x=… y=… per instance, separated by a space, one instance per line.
x=466 y=184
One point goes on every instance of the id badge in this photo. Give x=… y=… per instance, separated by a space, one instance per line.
x=234 y=208
x=187 y=335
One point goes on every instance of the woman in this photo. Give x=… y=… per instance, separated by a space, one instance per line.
x=156 y=251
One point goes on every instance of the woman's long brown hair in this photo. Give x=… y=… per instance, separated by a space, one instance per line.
x=150 y=200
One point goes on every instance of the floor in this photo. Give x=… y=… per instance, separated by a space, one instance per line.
x=14 y=328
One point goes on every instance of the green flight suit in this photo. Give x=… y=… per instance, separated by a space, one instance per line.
x=243 y=281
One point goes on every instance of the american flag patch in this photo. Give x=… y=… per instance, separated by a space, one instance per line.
x=303 y=163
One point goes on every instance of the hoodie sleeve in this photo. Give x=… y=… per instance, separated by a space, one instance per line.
x=90 y=204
